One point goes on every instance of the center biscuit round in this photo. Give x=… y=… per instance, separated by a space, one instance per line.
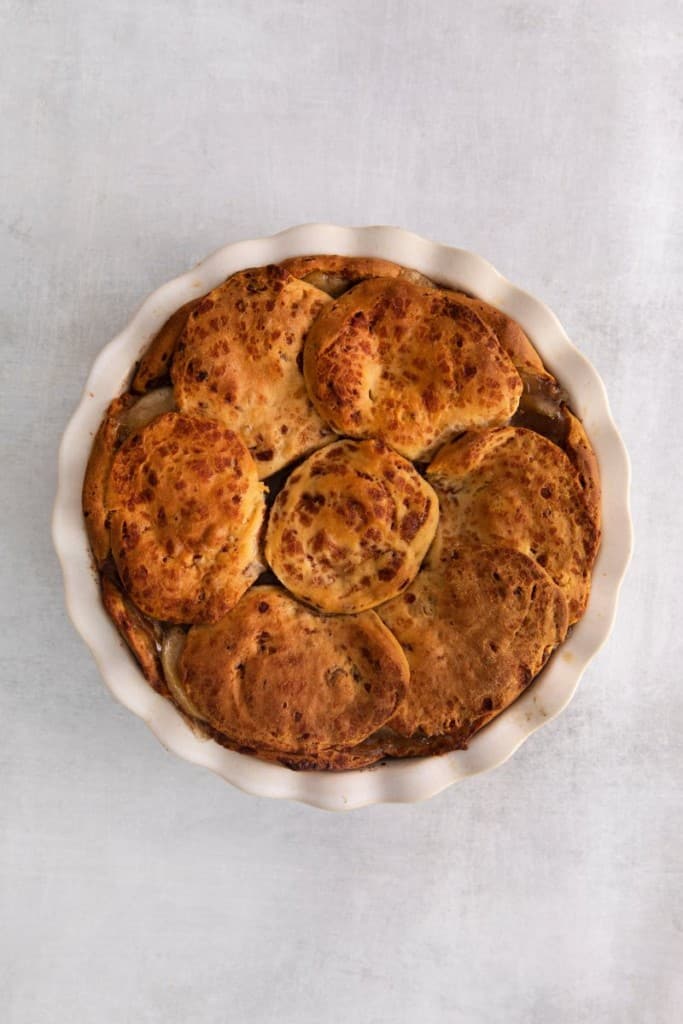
x=351 y=527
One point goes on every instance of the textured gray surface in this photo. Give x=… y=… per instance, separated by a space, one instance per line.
x=136 y=139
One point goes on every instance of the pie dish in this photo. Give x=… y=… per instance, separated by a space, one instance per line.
x=219 y=416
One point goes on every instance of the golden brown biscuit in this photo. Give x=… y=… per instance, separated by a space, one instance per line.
x=351 y=526
x=155 y=365
x=238 y=362
x=514 y=488
x=186 y=509
x=409 y=365
x=543 y=407
x=274 y=674
x=336 y=274
x=142 y=636
x=331 y=759
x=123 y=415
x=476 y=628
x=510 y=335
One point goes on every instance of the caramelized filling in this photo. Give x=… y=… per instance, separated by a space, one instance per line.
x=542 y=407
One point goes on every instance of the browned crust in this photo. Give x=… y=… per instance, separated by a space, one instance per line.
x=581 y=454
x=274 y=674
x=336 y=759
x=138 y=631
x=411 y=366
x=239 y=363
x=97 y=476
x=336 y=274
x=543 y=408
x=186 y=512
x=351 y=526
x=393 y=745
x=477 y=628
x=382 y=745
x=510 y=335
x=516 y=489
x=329 y=759
x=155 y=364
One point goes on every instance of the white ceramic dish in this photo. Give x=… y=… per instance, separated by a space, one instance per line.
x=399 y=781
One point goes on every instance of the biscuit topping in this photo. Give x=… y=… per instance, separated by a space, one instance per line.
x=418 y=459
x=185 y=513
x=351 y=527
x=409 y=365
x=238 y=362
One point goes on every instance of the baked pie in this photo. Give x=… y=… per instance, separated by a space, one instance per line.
x=342 y=513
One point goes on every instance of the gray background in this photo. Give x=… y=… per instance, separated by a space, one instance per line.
x=137 y=137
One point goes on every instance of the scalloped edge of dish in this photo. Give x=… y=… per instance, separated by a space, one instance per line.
x=405 y=781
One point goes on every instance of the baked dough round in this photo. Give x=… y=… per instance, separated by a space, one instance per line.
x=476 y=628
x=514 y=488
x=410 y=365
x=185 y=508
x=351 y=526
x=238 y=362
x=275 y=674
x=336 y=274
x=543 y=408
x=124 y=415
